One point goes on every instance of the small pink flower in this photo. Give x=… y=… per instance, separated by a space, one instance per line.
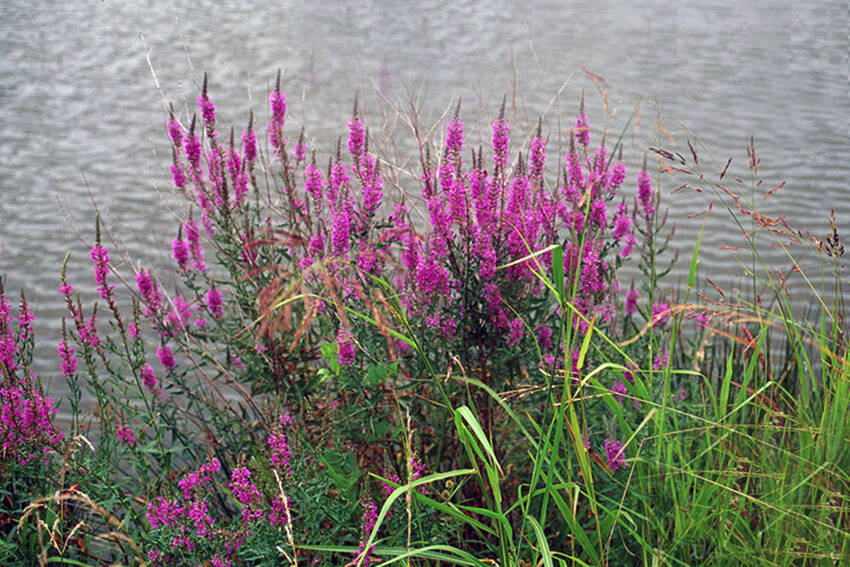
x=618 y=389
x=660 y=314
x=125 y=434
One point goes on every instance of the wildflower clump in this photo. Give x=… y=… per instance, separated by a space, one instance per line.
x=27 y=429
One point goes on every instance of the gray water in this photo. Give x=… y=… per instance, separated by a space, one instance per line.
x=81 y=116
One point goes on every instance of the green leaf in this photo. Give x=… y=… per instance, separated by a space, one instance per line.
x=541 y=541
x=585 y=344
x=692 y=274
x=558 y=271
x=330 y=352
x=375 y=375
x=342 y=468
x=466 y=415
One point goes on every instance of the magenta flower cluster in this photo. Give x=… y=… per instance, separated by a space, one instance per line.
x=189 y=519
x=27 y=431
x=417 y=469
x=367 y=524
x=100 y=258
x=125 y=434
x=281 y=454
x=464 y=265
x=614 y=454
x=247 y=494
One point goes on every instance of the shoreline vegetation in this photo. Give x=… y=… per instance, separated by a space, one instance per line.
x=323 y=379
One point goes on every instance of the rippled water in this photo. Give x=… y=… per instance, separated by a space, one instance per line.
x=82 y=117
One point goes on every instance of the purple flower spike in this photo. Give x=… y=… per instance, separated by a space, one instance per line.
x=149 y=379
x=69 y=361
x=149 y=291
x=100 y=257
x=501 y=131
x=166 y=357
x=207 y=111
x=300 y=147
x=178 y=176
x=277 y=102
x=281 y=454
x=175 y=132
x=373 y=192
x=214 y=303
x=193 y=239
x=192 y=147
x=623 y=222
x=367 y=524
x=341 y=230
x=207 y=108
x=618 y=176
x=628 y=245
x=345 y=342
x=247 y=494
x=614 y=454
x=645 y=191
x=356 y=136
x=180 y=251
x=454 y=136
x=538 y=156
x=313 y=184
x=249 y=145
x=582 y=128
x=631 y=300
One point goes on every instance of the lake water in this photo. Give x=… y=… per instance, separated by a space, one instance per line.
x=81 y=117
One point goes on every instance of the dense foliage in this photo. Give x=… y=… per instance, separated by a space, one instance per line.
x=342 y=368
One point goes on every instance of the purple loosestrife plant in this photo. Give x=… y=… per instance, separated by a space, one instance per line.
x=356 y=135
x=27 y=432
x=150 y=381
x=501 y=141
x=614 y=454
x=631 y=300
x=367 y=524
x=249 y=144
x=346 y=346
x=582 y=129
x=207 y=109
x=100 y=258
x=457 y=283
x=69 y=361
x=247 y=494
x=280 y=452
x=180 y=251
x=213 y=303
x=166 y=357
x=277 y=103
x=645 y=193
x=193 y=239
x=125 y=434
x=149 y=290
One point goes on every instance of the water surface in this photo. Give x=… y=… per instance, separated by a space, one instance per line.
x=82 y=116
